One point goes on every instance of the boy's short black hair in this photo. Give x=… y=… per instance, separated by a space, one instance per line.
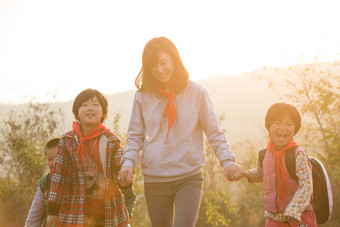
x=278 y=110
x=87 y=95
x=52 y=143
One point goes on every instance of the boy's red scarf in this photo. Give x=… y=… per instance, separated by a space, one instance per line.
x=279 y=167
x=170 y=108
x=97 y=131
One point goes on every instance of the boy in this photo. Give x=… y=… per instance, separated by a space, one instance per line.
x=84 y=187
x=37 y=214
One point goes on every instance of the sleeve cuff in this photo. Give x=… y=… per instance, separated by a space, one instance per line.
x=124 y=187
x=248 y=176
x=53 y=209
x=128 y=162
x=227 y=163
x=293 y=215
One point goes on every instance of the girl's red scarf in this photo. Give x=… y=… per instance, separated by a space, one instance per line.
x=97 y=131
x=170 y=108
x=279 y=167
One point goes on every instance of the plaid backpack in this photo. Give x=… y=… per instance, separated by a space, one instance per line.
x=322 y=198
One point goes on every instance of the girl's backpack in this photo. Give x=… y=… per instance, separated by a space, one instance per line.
x=322 y=198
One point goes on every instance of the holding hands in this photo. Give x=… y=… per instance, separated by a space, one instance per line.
x=234 y=172
x=125 y=176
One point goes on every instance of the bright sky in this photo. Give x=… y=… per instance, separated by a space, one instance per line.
x=65 y=46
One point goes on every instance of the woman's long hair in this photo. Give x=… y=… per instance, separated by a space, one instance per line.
x=145 y=80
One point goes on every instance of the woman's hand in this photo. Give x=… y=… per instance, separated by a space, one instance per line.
x=125 y=176
x=51 y=221
x=234 y=172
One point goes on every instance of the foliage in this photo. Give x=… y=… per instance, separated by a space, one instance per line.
x=216 y=210
x=116 y=128
x=249 y=197
x=140 y=214
x=216 y=206
x=22 y=158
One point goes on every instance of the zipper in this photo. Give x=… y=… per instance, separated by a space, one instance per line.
x=276 y=195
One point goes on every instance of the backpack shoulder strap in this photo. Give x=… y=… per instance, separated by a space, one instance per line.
x=45 y=182
x=290 y=162
x=262 y=153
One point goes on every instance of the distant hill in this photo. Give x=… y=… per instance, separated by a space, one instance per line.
x=243 y=99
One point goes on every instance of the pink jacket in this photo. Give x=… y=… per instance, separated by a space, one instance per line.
x=271 y=197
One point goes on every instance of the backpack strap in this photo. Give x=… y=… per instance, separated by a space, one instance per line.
x=290 y=163
x=262 y=153
x=45 y=183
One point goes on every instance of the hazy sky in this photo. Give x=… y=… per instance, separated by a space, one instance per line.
x=65 y=46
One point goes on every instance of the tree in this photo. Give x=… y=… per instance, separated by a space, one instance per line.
x=22 y=159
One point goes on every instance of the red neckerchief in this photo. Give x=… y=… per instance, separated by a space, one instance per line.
x=97 y=131
x=170 y=108
x=279 y=167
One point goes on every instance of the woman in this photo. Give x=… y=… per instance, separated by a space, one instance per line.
x=169 y=115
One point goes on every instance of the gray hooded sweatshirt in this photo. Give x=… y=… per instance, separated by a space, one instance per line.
x=181 y=154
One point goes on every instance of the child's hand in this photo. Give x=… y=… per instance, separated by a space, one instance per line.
x=125 y=176
x=247 y=174
x=291 y=219
x=234 y=172
x=51 y=221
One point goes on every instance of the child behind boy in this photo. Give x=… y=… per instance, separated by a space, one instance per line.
x=286 y=201
x=84 y=190
x=38 y=211
x=37 y=214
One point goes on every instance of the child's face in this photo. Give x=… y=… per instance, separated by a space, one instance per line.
x=282 y=131
x=90 y=113
x=51 y=154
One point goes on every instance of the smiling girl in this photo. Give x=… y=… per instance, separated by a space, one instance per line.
x=169 y=116
x=286 y=202
x=84 y=190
